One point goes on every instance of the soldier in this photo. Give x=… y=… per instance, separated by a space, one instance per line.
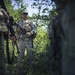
x=54 y=30
x=3 y=29
x=25 y=38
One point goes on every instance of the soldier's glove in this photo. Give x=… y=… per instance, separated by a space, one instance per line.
x=28 y=34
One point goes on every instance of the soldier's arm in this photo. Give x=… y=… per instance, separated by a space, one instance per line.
x=33 y=28
x=5 y=14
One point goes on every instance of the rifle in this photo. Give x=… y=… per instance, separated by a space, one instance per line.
x=10 y=28
x=22 y=29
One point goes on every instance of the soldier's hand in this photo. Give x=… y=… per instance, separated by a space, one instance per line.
x=28 y=34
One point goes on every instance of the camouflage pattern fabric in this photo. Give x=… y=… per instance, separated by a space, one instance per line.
x=25 y=43
x=3 y=27
x=28 y=26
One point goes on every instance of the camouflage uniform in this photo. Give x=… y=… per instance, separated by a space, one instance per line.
x=25 y=41
x=55 y=41
x=3 y=29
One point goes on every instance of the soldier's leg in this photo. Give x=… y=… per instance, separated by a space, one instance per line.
x=29 y=51
x=21 y=45
x=20 y=64
x=2 y=56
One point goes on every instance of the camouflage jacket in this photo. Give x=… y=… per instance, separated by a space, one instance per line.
x=28 y=26
x=3 y=15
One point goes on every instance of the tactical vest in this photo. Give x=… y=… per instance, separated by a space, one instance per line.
x=26 y=26
x=3 y=27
